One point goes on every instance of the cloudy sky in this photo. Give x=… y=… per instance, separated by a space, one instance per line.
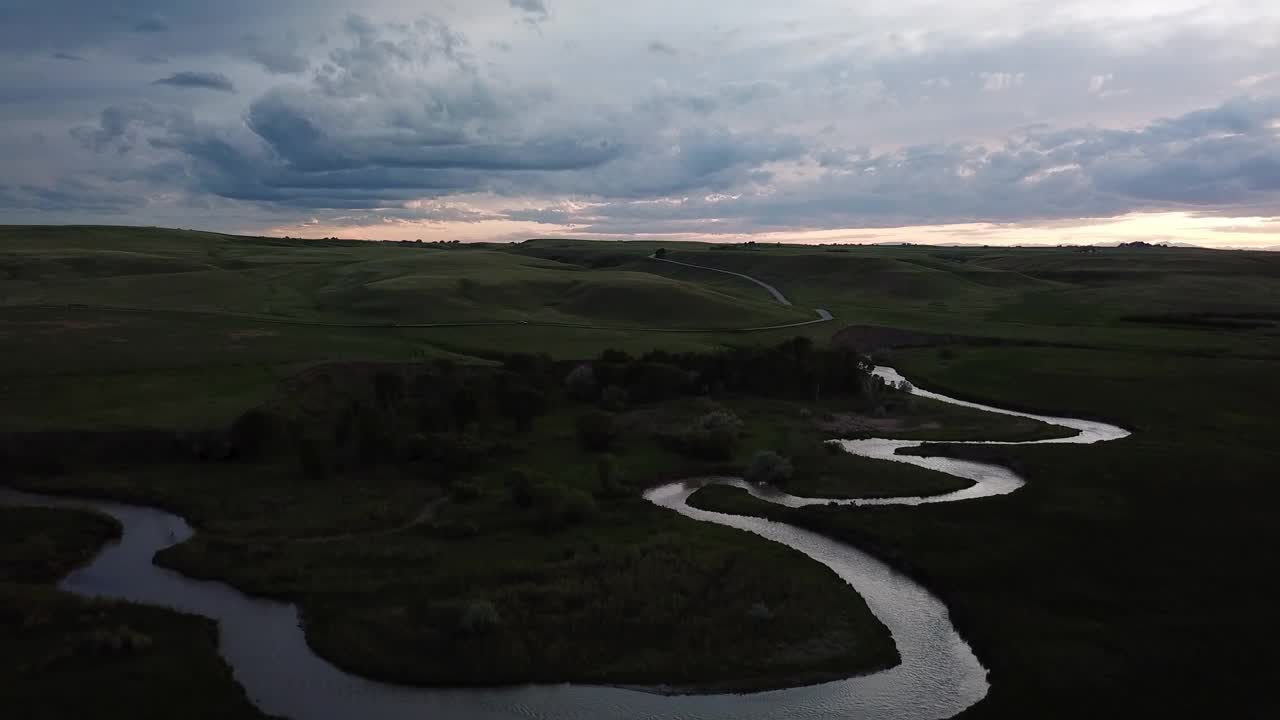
x=983 y=121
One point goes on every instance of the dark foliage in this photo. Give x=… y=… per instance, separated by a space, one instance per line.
x=596 y=430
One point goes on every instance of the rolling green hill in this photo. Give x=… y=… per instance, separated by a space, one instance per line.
x=351 y=282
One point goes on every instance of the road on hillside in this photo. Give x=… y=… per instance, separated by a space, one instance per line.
x=823 y=315
x=775 y=292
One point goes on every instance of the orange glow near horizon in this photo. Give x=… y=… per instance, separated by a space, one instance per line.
x=1168 y=227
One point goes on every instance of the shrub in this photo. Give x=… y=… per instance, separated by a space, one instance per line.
x=480 y=616
x=521 y=404
x=249 y=434
x=312 y=463
x=458 y=451
x=520 y=488
x=466 y=490
x=610 y=479
x=613 y=399
x=759 y=612
x=374 y=439
x=122 y=641
x=388 y=388
x=559 y=507
x=597 y=430
x=769 y=468
x=581 y=383
x=713 y=436
x=651 y=381
x=807 y=455
x=455 y=529
x=615 y=356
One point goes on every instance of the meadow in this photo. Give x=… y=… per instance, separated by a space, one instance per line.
x=1118 y=573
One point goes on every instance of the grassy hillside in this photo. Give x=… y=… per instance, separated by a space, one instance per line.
x=349 y=283
x=1166 y=299
x=117 y=327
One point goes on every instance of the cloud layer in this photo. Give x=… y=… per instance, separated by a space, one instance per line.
x=742 y=119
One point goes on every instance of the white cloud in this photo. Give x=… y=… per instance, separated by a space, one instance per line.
x=1001 y=81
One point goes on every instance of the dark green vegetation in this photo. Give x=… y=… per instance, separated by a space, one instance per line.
x=61 y=656
x=840 y=475
x=1117 y=572
x=1128 y=577
x=534 y=556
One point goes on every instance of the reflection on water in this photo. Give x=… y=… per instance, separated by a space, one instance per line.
x=265 y=647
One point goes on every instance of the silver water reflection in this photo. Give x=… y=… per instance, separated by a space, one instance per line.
x=988 y=479
x=263 y=642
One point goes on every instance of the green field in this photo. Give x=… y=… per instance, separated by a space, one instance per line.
x=1129 y=577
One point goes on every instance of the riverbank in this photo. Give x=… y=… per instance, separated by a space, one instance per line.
x=560 y=598
x=64 y=656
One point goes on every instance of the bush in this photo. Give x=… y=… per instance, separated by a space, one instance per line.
x=520 y=488
x=480 y=616
x=613 y=399
x=759 y=612
x=312 y=462
x=713 y=436
x=521 y=404
x=559 y=507
x=610 y=479
x=457 y=452
x=651 y=381
x=375 y=440
x=581 y=383
x=769 y=468
x=597 y=430
x=388 y=388
x=249 y=434
x=122 y=641
x=465 y=490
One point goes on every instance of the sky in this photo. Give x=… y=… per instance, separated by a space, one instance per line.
x=986 y=122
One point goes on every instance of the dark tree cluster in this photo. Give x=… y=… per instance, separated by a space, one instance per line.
x=793 y=369
x=447 y=418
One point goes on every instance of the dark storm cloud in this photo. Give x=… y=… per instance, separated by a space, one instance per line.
x=295 y=137
x=150 y=25
x=67 y=193
x=117 y=127
x=199 y=80
x=140 y=27
x=280 y=56
x=533 y=7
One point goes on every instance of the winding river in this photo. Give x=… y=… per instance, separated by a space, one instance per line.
x=263 y=642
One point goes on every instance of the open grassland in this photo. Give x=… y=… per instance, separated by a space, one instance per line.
x=1158 y=299
x=350 y=283
x=127 y=327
